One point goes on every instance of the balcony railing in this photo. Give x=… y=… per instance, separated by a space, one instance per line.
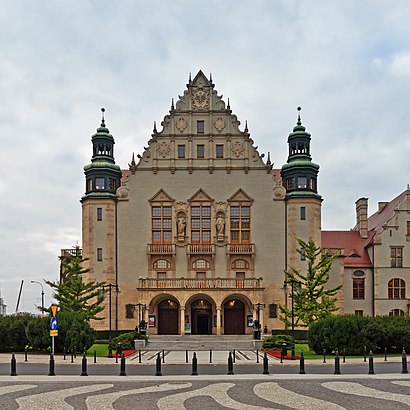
x=161 y=249
x=187 y=283
x=241 y=248
x=200 y=248
x=71 y=252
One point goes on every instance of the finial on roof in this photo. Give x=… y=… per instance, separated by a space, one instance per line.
x=268 y=161
x=172 y=104
x=228 y=106
x=246 y=126
x=102 y=117
x=133 y=165
x=299 y=120
x=155 y=127
x=189 y=78
x=210 y=78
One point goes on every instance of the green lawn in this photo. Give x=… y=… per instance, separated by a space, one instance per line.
x=101 y=350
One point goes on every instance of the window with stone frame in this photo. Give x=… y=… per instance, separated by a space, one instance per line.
x=181 y=151
x=200 y=264
x=219 y=151
x=99 y=214
x=396 y=289
x=240 y=223
x=200 y=224
x=396 y=257
x=161 y=224
x=240 y=264
x=358 y=288
x=200 y=151
x=162 y=264
x=200 y=127
x=99 y=254
x=396 y=312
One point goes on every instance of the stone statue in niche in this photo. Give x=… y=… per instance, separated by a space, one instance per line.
x=181 y=227
x=220 y=227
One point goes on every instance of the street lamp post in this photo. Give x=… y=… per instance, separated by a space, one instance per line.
x=42 y=296
x=110 y=286
x=285 y=288
x=258 y=307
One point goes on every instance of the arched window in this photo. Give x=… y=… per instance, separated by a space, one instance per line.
x=396 y=312
x=240 y=264
x=162 y=264
x=397 y=289
x=200 y=264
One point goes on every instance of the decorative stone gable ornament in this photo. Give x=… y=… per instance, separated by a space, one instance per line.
x=237 y=149
x=164 y=149
x=181 y=124
x=220 y=124
x=200 y=98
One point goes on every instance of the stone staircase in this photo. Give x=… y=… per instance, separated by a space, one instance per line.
x=200 y=342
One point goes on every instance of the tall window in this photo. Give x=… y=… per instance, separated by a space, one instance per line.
x=99 y=254
x=358 y=288
x=397 y=289
x=200 y=151
x=396 y=257
x=201 y=224
x=240 y=224
x=181 y=151
x=99 y=214
x=219 y=151
x=161 y=224
x=200 y=127
x=302 y=213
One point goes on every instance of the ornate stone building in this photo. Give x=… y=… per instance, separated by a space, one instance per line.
x=196 y=234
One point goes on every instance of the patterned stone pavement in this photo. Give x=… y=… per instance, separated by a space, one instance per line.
x=216 y=392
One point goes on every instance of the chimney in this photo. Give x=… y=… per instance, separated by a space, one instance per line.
x=382 y=205
x=361 y=217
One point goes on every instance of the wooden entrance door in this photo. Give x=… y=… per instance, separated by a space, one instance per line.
x=168 y=312
x=234 y=317
x=201 y=314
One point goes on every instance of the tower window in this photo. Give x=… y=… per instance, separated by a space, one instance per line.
x=99 y=214
x=302 y=213
x=112 y=185
x=219 y=151
x=99 y=254
x=89 y=184
x=290 y=183
x=302 y=182
x=200 y=151
x=313 y=184
x=99 y=183
x=181 y=151
x=200 y=127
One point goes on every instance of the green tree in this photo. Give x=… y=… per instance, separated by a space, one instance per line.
x=75 y=295
x=312 y=299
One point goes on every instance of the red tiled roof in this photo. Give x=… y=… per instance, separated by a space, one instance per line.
x=276 y=175
x=354 y=246
x=125 y=173
x=378 y=219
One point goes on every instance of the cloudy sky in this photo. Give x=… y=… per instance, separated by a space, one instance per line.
x=346 y=62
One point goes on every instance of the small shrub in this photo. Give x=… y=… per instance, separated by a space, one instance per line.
x=127 y=339
x=275 y=342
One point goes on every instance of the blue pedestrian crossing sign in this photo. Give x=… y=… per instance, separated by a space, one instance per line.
x=53 y=323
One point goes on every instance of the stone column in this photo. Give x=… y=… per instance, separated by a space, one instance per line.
x=182 y=321
x=218 y=321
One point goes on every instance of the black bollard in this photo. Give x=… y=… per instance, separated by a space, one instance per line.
x=51 y=370
x=186 y=356
x=64 y=353
x=116 y=354
x=210 y=356
x=95 y=356
x=163 y=357
x=122 y=365
x=75 y=352
x=72 y=356
x=257 y=355
x=139 y=356
x=265 y=364
x=385 y=354
x=25 y=354
x=302 y=363
x=344 y=355
x=194 y=365
x=158 y=366
x=234 y=356
x=13 y=366
x=404 y=363
x=324 y=355
x=364 y=354
x=281 y=356
x=337 y=363
x=84 y=366
x=371 y=365
x=230 y=364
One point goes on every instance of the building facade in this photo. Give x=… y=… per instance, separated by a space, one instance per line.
x=195 y=235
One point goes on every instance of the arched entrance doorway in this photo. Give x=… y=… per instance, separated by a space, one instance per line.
x=168 y=312
x=201 y=317
x=234 y=317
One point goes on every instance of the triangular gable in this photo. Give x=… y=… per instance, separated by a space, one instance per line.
x=201 y=77
x=161 y=196
x=240 y=196
x=200 y=196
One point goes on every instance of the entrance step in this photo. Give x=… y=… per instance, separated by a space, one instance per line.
x=200 y=342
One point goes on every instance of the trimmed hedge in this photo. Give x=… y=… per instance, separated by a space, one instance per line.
x=355 y=333
x=126 y=340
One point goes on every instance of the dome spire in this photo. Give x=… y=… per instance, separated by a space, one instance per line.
x=299 y=120
x=102 y=117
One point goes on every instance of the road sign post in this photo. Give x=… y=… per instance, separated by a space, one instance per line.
x=53 y=326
